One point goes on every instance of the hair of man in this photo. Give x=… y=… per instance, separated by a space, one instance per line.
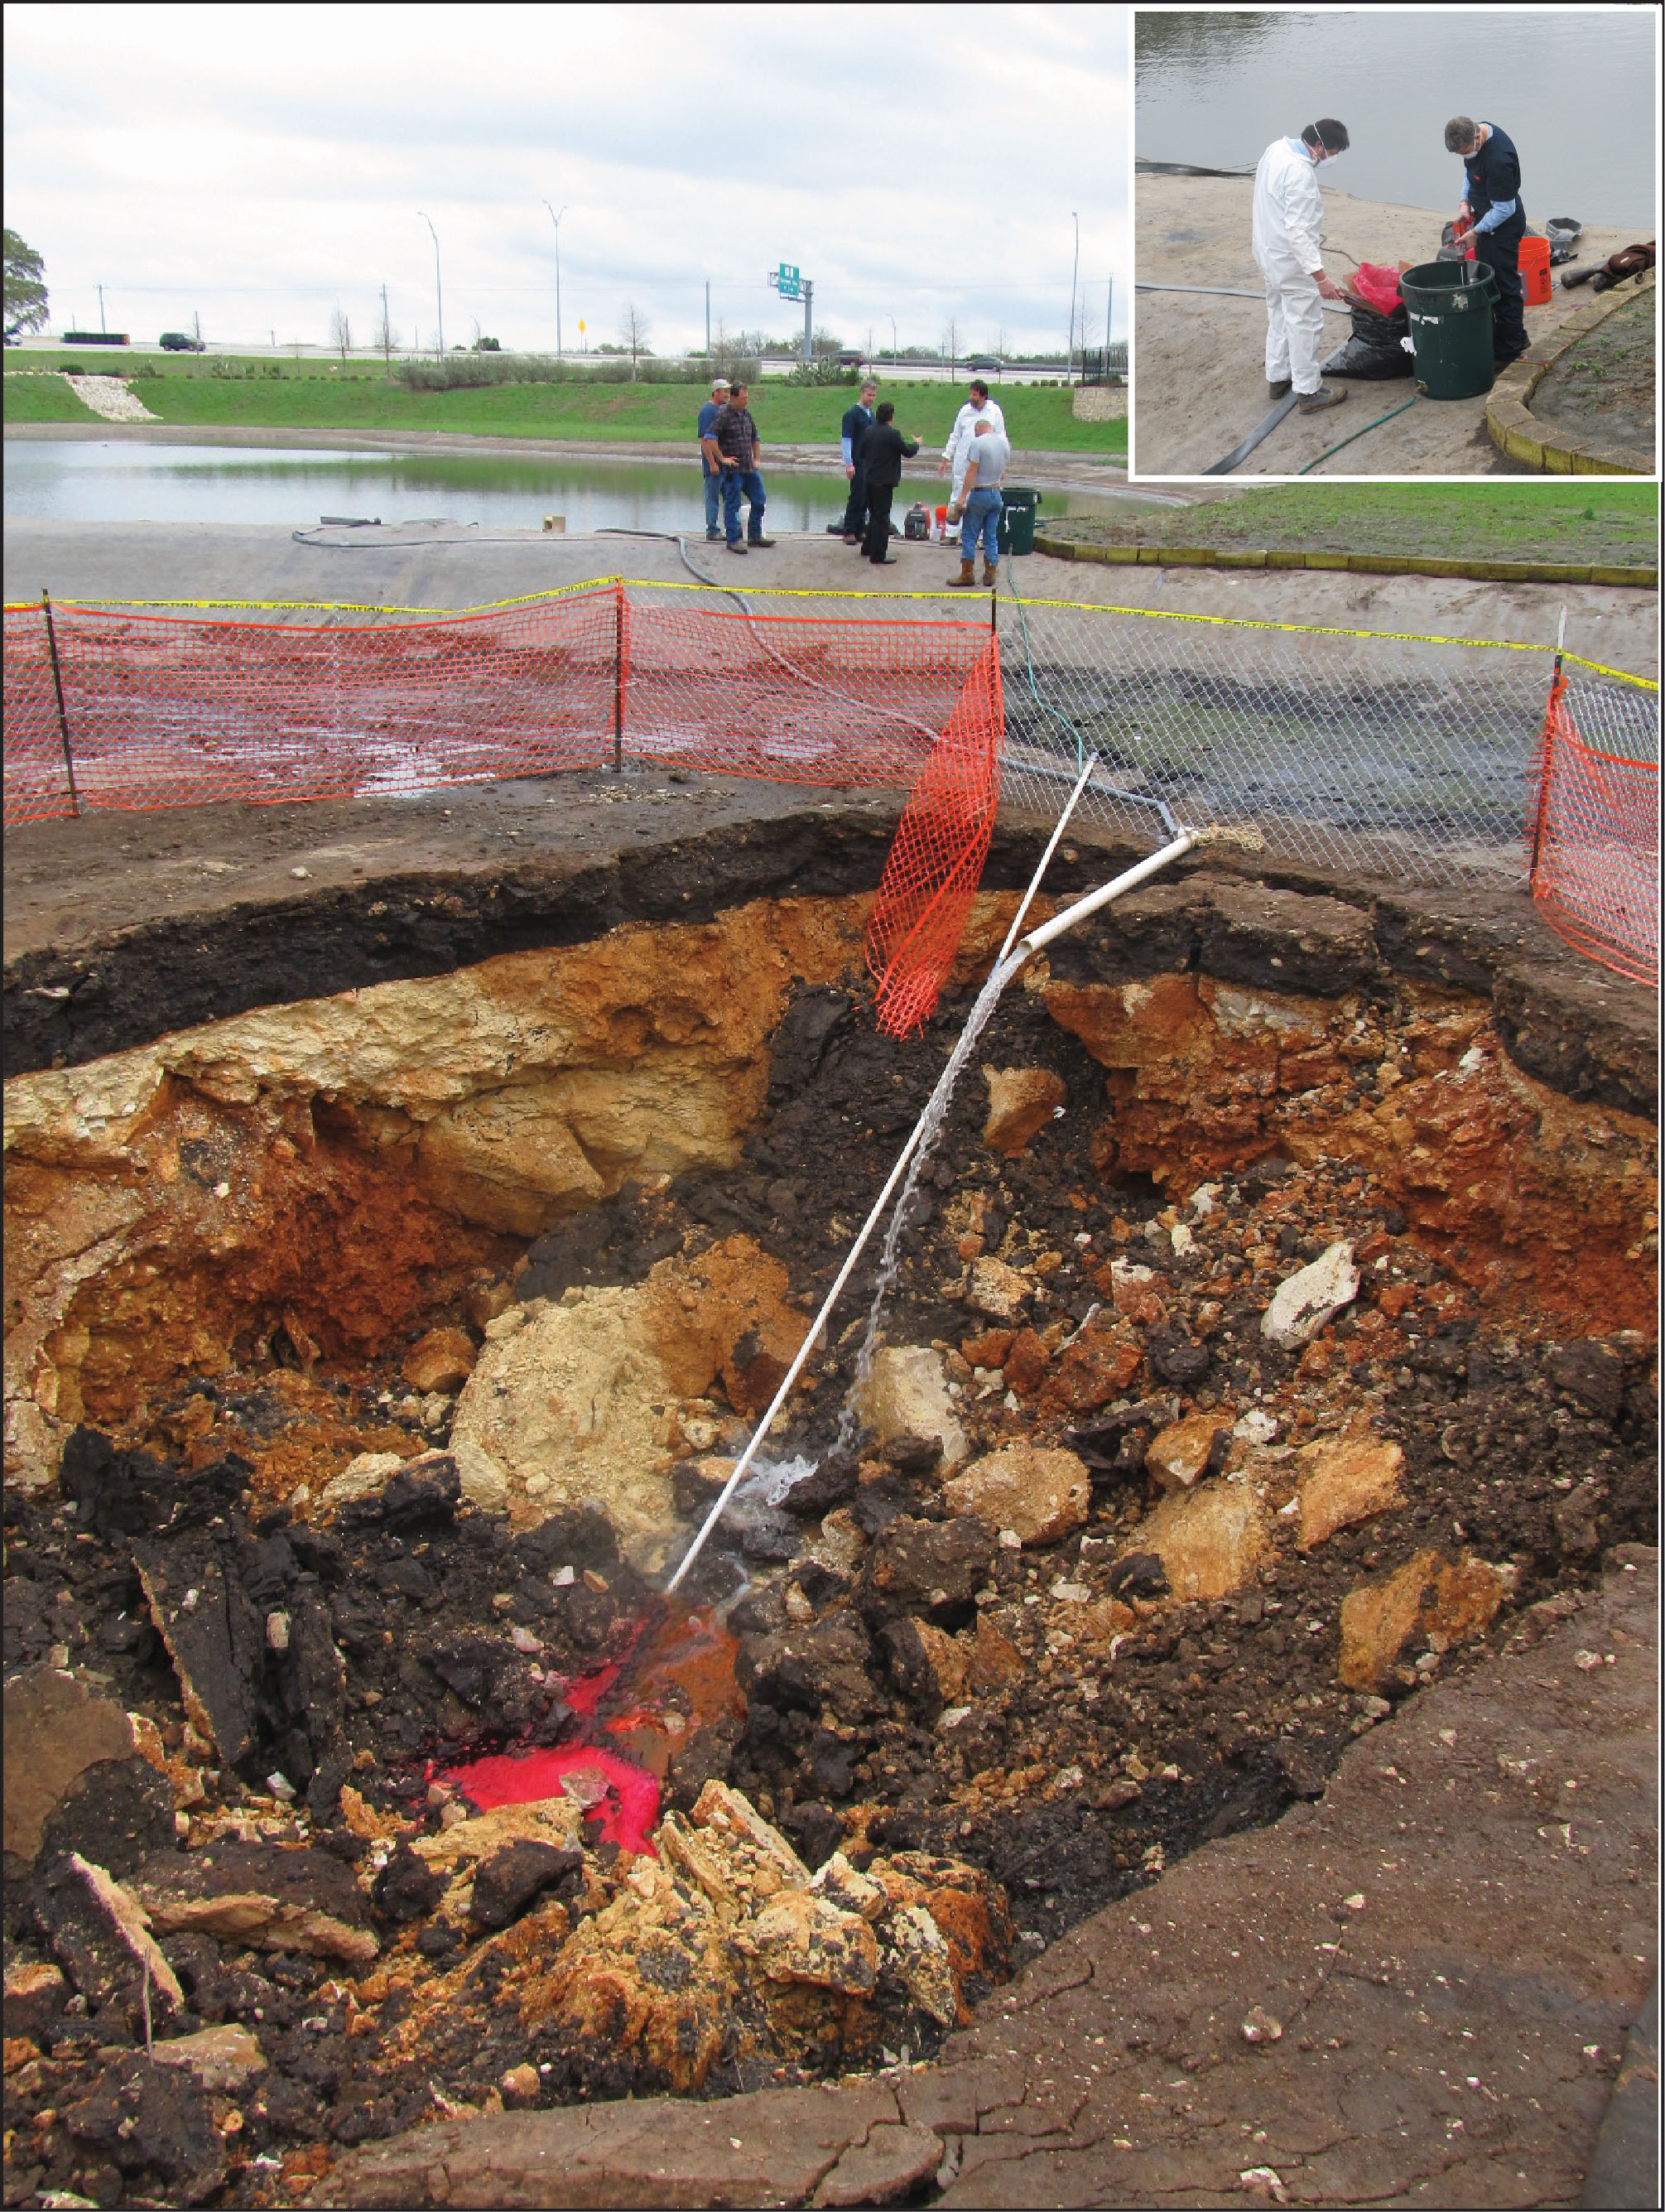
x=977 y=384
x=1461 y=132
x=887 y=408
x=1327 y=133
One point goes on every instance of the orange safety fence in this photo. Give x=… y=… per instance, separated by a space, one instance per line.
x=1592 y=846
x=112 y=707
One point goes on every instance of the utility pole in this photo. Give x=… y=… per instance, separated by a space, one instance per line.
x=1069 y=358
x=101 y=323
x=387 y=334
x=892 y=322
x=439 y=297
x=556 y=219
x=707 y=319
x=809 y=303
x=196 y=324
x=1109 y=308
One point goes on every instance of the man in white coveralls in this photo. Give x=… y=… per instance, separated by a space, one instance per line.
x=1288 y=222
x=978 y=408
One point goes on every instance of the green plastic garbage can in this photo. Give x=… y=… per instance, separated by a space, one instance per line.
x=1016 y=530
x=1449 y=304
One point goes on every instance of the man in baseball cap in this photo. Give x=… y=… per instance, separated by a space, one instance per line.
x=714 y=477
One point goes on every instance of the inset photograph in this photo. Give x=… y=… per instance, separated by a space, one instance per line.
x=1395 y=243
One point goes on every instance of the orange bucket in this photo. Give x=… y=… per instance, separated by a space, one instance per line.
x=1534 y=262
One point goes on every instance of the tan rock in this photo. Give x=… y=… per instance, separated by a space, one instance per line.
x=1209 y=1540
x=998 y=1291
x=992 y=1660
x=944 y=1657
x=1041 y=1494
x=1021 y=1100
x=223 y=2059
x=441 y=1359
x=1430 y=1599
x=906 y=1396
x=803 y=1937
x=731 y=1813
x=569 y=1402
x=1347 y=1483
x=56 y=1728
x=367 y=1474
x=1177 y=1456
x=919 y=1951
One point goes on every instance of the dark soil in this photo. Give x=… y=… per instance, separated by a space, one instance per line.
x=1605 y=385
x=1212 y=1717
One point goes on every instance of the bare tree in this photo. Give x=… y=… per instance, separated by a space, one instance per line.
x=950 y=345
x=341 y=333
x=633 y=329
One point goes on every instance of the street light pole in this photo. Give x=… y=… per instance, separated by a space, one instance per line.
x=1069 y=359
x=439 y=297
x=556 y=219
x=892 y=321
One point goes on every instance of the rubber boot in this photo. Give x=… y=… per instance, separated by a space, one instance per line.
x=968 y=573
x=991 y=574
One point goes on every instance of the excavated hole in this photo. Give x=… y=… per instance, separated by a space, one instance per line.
x=539 y=1237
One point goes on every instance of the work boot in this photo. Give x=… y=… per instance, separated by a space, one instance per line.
x=1314 y=403
x=968 y=573
x=1275 y=391
x=760 y=541
x=991 y=574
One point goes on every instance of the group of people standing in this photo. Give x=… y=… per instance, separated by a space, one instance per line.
x=873 y=449
x=1287 y=241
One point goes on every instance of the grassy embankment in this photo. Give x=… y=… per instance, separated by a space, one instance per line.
x=1610 y=524
x=189 y=394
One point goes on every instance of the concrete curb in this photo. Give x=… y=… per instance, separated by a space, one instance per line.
x=1361 y=564
x=1517 y=432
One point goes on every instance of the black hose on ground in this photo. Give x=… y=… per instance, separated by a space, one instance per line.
x=1223 y=468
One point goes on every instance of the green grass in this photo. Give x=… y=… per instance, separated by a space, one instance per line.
x=43 y=399
x=1615 y=524
x=317 y=398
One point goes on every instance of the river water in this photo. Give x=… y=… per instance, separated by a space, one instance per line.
x=1574 y=91
x=85 y=480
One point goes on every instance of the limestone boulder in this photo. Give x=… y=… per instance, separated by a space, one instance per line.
x=1345 y=1483
x=1432 y=1600
x=906 y=1396
x=1042 y=1494
x=1209 y=1540
x=1021 y=1100
x=1304 y=1301
x=367 y=1474
x=575 y=1404
x=1178 y=1456
x=57 y=1727
x=802 y=1937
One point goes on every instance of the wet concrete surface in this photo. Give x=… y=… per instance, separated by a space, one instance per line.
x=1416 y=1990
x=1200 y=380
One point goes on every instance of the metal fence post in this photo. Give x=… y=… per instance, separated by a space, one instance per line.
x=63 y=718
x=619 y=682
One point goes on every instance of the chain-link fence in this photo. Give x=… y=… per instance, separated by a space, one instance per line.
x=1387 y=755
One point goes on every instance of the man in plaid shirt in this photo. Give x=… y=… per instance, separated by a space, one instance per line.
x=734 y=446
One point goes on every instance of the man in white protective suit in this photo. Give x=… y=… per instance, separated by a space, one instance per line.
x=1288 y=222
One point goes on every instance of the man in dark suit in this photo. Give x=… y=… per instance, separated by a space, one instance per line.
x=858 y=421
x=882 y=450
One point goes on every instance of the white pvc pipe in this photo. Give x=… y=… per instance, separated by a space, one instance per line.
x=1010 y=966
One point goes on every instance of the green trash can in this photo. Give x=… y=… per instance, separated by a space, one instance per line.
x=1015 y=532
x=1449 y=304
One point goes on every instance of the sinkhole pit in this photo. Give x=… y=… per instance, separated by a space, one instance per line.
x=373 y=1353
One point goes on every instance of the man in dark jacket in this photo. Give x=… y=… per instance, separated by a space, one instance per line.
x=858 y=421
x=1491 y=208
x=882 y=450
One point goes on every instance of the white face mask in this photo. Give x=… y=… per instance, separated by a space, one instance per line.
x=1325 y=161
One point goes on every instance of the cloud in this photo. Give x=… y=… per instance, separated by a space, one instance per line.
x=260 y=163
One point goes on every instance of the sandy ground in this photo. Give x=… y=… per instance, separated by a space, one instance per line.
x=1200 y=380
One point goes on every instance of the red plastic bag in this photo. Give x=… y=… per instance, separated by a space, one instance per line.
x=1379 y=284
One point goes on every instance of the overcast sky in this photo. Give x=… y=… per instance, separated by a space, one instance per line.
x=259 y=166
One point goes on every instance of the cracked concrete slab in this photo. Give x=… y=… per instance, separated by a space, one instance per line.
x=1440 y=1961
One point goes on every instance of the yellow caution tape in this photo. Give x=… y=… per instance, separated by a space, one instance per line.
x=804 y=592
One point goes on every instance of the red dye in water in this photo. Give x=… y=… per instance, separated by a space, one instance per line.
x=627 y=1812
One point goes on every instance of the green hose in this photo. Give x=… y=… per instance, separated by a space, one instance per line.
x=1347 y=441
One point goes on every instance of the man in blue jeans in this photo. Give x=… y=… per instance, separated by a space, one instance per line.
x=713 y=476
x=734 y=447
x=979 y=502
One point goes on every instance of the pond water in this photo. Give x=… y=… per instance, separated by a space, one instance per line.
x=1574 y=91
x=76 y=480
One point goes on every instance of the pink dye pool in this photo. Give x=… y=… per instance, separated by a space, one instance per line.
x=627 y=1811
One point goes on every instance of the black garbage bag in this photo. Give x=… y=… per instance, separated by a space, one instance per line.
x=1373 y=351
